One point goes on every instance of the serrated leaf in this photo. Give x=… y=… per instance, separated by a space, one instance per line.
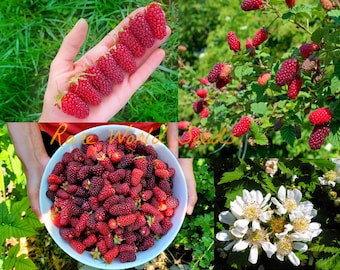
x=228 y=177
x=23 y=263
x=238 y=72
x=17 y=229
x=302 y=9
x=3 y=213
x=259 y=108
x=20 y=206
x=318 y=34
x=261 y=139
x=254 y=128
x=283 y=168
x=258 y=90
x=11 y=257
x=288 y=134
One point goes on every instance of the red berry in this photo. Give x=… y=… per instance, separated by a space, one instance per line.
x=287 y=71
x=290 y=3
x=156 y=20
x=248 y=5
x=109 y=67
x=294 y=87
x=318 y=136
x=264 y=78
x=141 y=30
x=124 y=208
x=166 y=225
x=136 y=176
x=171 y=202
x=241 y=127
x=103 y=228
x=82 y=86
x=320 y=116
x=202 y=92
x=198 y=105
x=203 y=81
x=90 y=240
x=162 y=173
x=184 y=125
x=326 y=4
x=250 y=47
x=129 y=40
x=73 y=105
x=260 y=37
x=126 y=220
x=214 y=73
x=306 y=50
x=124 y=58
x=77 y=246
x=54 y=179
x=100 y=82
x=204 y=113
x=111 y=254
x=233 y=42
x=127 y=256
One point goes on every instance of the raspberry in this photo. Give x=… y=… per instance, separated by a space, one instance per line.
x=294 y=87
x=202 y=92
x=136 y=176
x=149 y=209
x=141 y=30
x=159 y=194
x=203 y=81
x=241 y=127
x=290 y=3
x=318 y=136
x=204 y=113
x=82 y=86
x=147 y=242
x=287 y=71
x=54 y=179
x=111 y=254
x=117 y=175
x=183 y=125
x=58 y=168
x=72 y=170
x=77 y=246
x=94 y=203
x=100 y=214
x=165 y=185
x=90 y=240
x=156 y=20
x=126 y=220
x=166 y=225
x=264 y=78
x=106 y=192
x=68 y=233
x=101 y=246
x=127 y=256
x=162 y=173
x=73 y=105
x=128 y=39
x=140 y=163
x=233 y=42
x=320 y=116
x=260 y=37
x=214 y=73
x=97 y=78
x=306 y=50
x=171 y=202
x=82 y=222
x=248 y=5
x=326 y=4
x=96 y=186
x=124 y=58
x=126 y=161
x=103 y=228
x=198 y=105
x=124 y=208
x=110 y=68
x=221 y=82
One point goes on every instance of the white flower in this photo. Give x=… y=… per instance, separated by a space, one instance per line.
x=288 y=200
x=285 y=247
x=225 y=235
x=255 y=240
x=271 y=166
x=252 y=207
x=325 y=182
x=303 y=229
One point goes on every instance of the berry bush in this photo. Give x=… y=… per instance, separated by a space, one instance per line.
x=270 y=72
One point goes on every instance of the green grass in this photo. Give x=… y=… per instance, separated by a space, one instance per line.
x=31 y=34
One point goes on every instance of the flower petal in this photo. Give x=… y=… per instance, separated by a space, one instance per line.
x=282 y=194
x=294 y=259
x=255 y=225
x=241 y=225
x=226 y=217
x=265 y=200
x=240 y=245
x=269 y=248
x=229 y=246
x=223 y=236
x=253 y=254
x=246 y=196
x=300 y=246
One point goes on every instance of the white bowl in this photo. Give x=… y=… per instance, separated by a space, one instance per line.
x=179 y=190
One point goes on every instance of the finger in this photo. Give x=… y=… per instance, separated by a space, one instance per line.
x=71 y=44
x=146 y=69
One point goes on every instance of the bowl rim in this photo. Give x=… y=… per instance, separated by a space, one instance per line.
x=68 y=146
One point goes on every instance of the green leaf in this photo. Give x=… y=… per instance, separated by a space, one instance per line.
x=3 y=213
x=17 y=229
x=258 y=90
x=318 y=34
x=261 y=139
x=20 y=206
x=335 y=15
x=11 y=257
x=228 y=177
x=303 y=10
x=334 y=137
x=238 y=72
x=259 y=108
x=24 y=263
x=288 y=134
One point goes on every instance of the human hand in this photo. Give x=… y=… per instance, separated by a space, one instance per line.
x=186 y=164
x=63 y=68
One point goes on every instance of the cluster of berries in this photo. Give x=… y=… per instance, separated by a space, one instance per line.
x=112 y=198
x=200 y=106
x=320 y=118
x=89 y=87
x=190 y=136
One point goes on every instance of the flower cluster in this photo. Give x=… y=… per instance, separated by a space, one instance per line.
x=255 y=224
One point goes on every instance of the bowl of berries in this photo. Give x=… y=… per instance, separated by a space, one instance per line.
x=113 y=197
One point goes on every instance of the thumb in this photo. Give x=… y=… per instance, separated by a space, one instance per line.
x=71 y=45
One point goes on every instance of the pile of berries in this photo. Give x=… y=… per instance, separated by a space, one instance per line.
x=112 y=198
x=89 y=87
